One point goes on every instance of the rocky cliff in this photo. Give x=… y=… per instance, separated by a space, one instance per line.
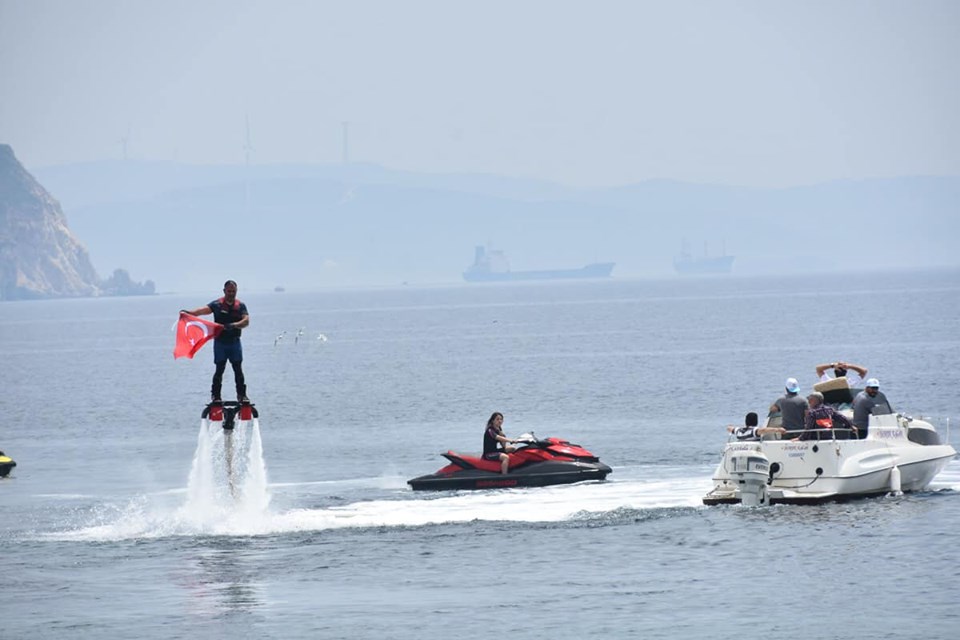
x=39 y=256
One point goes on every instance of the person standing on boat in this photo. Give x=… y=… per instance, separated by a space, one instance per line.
x=823 y=416
x=493 y=439
x=792 y=407
x=864 y=403
x=233 y=315
x=854 y=373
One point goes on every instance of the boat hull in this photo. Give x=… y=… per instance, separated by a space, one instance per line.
x=595 y=270
x=704 y=266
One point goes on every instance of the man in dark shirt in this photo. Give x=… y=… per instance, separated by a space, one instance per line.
x=822 y=416
x=232 y=314
x=791 y=406
x=864 y=405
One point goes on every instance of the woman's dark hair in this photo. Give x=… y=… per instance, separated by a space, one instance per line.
x=493 y=417
x=751 y=419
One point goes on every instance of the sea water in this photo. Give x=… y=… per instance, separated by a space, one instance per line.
x=125 y=518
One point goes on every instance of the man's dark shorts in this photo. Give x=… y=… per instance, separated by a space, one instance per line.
x=494 y=455
x=223 y=351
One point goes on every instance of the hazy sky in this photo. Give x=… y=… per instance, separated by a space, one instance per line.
x=583 y=93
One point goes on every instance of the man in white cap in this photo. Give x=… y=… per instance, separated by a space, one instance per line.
x=792 y=407
x=864 y=403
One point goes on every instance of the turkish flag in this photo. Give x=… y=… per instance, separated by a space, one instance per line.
x=193 y=333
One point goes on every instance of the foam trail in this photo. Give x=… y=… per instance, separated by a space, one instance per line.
x=547 y=504
x=210 y=510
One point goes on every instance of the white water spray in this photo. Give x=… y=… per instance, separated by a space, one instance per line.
x=228 y=478
x=253 y=491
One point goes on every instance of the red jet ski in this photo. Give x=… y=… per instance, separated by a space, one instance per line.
x=537 y=463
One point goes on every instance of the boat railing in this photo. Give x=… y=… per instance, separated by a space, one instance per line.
x=804 y=435
x=819 y=434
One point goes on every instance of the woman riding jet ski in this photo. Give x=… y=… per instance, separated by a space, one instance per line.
x=537 y=463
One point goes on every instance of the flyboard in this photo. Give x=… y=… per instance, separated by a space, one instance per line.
x=227 y=413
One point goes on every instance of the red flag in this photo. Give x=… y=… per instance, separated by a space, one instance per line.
x=193 y=333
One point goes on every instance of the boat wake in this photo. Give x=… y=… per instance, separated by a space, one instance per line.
x=209 y=512
x=948 y=479
x=547 y=504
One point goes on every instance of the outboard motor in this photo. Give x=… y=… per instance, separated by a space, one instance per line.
x=750 y=470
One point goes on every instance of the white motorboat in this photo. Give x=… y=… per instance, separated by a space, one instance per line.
x=898 y=454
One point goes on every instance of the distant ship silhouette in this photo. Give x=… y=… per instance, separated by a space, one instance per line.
x=688 y=265
x=492 y=266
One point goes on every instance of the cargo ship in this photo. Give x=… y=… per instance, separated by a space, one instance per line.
x=688 y=265
x=492 y=266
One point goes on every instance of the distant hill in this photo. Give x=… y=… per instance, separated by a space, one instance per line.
x=40 y=257
x=308 y=226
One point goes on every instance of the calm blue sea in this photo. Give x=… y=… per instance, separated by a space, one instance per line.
x=102 y=535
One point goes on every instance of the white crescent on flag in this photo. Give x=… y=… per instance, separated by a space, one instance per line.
x=199 y=325
x=192 y=334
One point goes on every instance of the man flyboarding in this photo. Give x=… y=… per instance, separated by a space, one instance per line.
x=232 y=314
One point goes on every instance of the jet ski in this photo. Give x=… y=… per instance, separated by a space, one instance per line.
x=537 y=463
x=6 y=464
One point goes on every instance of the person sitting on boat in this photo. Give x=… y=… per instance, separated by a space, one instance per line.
x=791 y=407
x=822 y=416
x=864 y=405
x=493 y=440
x=854 y=373
x=750 y=430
